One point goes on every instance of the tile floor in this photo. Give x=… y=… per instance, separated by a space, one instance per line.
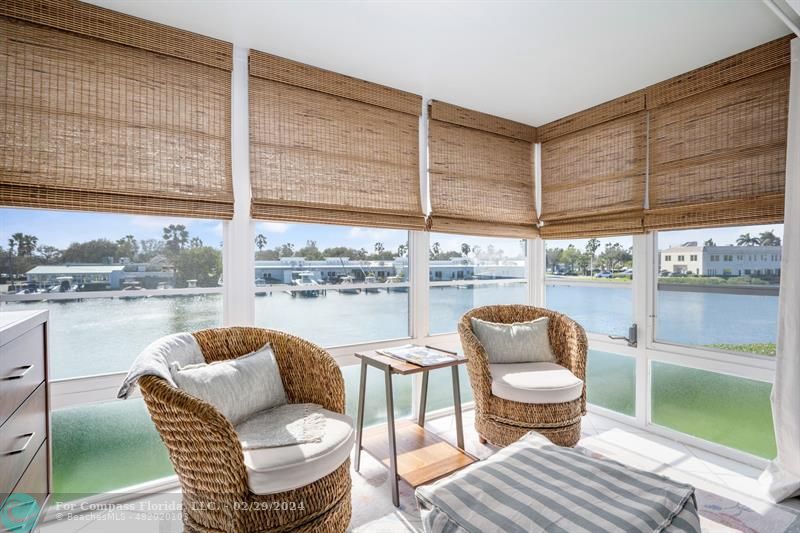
x=729 y=496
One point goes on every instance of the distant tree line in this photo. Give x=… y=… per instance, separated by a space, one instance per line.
x=571 y=259
x=311 y=252
x=188 y=255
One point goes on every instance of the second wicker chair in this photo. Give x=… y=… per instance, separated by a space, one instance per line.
x=502 y=421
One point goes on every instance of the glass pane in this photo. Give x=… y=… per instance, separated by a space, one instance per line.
x=455 y=260
x=104 y=335
x=718 y=288
x=375 y=397
x=440 y=388
x=728 y=410
x=589 y=280
x=104 y=447
x=53 y=259
x=332 y=285
x=611 y=381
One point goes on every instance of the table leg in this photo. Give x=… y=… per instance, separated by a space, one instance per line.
x=423 y=400
x=392 y=443
x=362 y=387
x=457 y=408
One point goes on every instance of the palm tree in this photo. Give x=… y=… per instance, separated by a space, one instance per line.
x=261 y=241
x=709 y=243
x=176 y=237
x=436 y=249
x=25 y=244
x=591 y=247
x=465 y=249
x=196 y=242
x=13 y=241
x=768 y=238
x=379 y=248
x=746 y=239
x=402 y=250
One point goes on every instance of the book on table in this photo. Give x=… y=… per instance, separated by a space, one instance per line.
x=419 y=355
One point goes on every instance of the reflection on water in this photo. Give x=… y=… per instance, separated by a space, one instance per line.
x=682 y=317
x=102 y=335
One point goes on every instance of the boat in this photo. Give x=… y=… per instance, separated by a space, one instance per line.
x=393 y=280
x=261 y=287
x=372 y=280
x=345 y=281
x=305 y=279
x=130 y=288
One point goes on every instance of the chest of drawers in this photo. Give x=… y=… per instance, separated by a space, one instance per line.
x=24 y=414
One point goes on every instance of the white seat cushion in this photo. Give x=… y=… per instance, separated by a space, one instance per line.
x=534 y=383
x=271 y=470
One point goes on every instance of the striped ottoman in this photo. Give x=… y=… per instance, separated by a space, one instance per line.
x=533 y=485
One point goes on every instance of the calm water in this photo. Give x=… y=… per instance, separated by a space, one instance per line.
x=97 y=336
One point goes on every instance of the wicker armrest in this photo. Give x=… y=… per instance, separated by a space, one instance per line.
x=571 y=346
x=309 y=373
x=202 y=445
x=477 y=362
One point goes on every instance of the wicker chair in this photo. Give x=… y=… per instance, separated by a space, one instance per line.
x=207 y=456
x=501 y=421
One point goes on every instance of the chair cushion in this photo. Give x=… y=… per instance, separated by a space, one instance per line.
x=271 y=470
x=237 y=388
x=535 y=383
x=520 y=342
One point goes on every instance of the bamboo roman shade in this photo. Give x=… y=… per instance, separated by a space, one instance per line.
x=481 y=173
x=718 y=142
x=327 y=148
x=594 y=171
x=102 y=111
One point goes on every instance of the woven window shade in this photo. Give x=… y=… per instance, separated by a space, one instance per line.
x=327 y=148
x=481 y=174
x=106 y=112
x=718 y=157
x=594 y=171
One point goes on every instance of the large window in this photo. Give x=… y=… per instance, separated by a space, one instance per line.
x=112 y=284
x=467 y=272
x=332 y=285
x=725 y=296
x=590 y=281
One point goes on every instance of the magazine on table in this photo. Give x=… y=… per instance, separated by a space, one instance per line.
x=420 y=355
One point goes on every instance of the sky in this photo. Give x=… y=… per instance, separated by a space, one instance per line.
x=60 y=228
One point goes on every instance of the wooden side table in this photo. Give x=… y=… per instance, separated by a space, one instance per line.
x=424 y=456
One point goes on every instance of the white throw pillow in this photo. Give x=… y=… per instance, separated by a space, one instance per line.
x=239 y=387
x=520 y=342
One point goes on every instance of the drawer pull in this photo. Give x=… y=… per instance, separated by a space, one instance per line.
x=24 y=446
x=27 y=368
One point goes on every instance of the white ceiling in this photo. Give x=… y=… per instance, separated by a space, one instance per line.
x=532 y=61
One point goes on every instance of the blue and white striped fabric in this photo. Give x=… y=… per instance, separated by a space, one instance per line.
x=533 y=485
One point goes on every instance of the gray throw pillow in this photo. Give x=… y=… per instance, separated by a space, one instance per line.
x=239 y=387
x=520 y=342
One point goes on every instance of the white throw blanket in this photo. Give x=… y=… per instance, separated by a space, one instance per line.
x=286 y=425
x=156 y=358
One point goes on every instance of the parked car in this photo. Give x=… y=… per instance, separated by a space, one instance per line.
x=603 y=275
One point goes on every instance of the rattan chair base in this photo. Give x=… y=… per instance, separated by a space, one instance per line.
x=502 y=435
x=334 y=520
